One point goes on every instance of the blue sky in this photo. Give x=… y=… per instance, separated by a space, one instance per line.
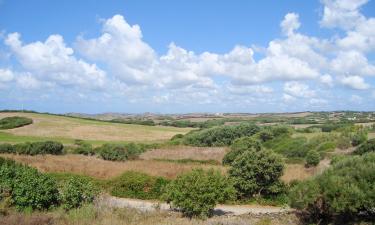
x=187 y=56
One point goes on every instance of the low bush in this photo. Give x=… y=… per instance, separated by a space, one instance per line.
x=6 y=148
x=368 y=146
x=35 y=148
x=220 y=136
x=83 y=148
x=197 y=192
x=76 y=192
x=359 y=138
x=239 y=146
x=257 y=173
x=137 y=185
x=29 y=189
x=14 y=122
x=346 y=190
x=312 y=158
x=120 y=152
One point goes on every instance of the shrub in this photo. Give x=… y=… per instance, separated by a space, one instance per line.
x=197 y=192
x=14 y=122
x=343 y=142
x=239 y=146
x=35 y=148
x=265 y=135
x=220 y=136
x=289 y=147
x=138 y=185
x=312 y=158
x=344 y=190
x=326 y=146
x=257 y=173
x=120 y=152
x=359 y=138
x=29 y=189
x=83 y=148
x=6 y=148
x=368 y=146
x=76 y=192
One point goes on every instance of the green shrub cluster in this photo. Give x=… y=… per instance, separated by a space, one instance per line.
x=368 y=146
x=83 y=148
x=196 y=193
x=28 y=188
x=120 y=152
x=33 y=148
x=135 y=121
x=220 y=136
x=137 y=185
x=346 y=190
x=239 y=146
x=312 y=158
x=14 y=122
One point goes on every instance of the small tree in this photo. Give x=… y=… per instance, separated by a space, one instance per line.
x=312 y=158
x=196 y=193
x=257 y=172
x=239 y=146
x=77 y=191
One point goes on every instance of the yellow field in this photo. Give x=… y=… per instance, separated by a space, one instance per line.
x=65 y=128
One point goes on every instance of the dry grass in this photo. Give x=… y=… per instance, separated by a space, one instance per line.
x=99 y=168
x=65 y=127
x=95 y=215
x=186 y=152
x=297 y=172
x=371 y=135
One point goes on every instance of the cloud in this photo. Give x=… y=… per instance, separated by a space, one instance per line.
x=352 y=62
x=355 y=82
x=326 y=79
x=6 y=75
x=53 y=61
x=356 y=99
x=290 y=23
x=297 y=89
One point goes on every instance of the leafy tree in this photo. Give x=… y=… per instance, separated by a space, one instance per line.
x=77 y=191
x=239 y=146
x=257 y=173
x=265 y=135
x=312 y=158
x=345 y=190
x=197 y=192
x=368 y=146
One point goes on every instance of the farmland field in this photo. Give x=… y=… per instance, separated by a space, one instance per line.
x=66 y=129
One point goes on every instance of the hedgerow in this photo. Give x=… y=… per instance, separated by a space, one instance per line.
x=33 y=148
x=14 y=122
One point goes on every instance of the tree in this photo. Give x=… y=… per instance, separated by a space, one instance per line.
x=257 y=173
x=312 y=158
x=239 y=146
x=196 y=193
x=77 y=191
x=368 y=146
x=345 y=190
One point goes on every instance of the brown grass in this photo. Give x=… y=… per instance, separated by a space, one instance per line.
x=186 y=152
x=65 y=127
x=99 y=168
x=297 y=172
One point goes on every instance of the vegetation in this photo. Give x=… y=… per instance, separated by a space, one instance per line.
x=120 y=152
x=76 y=192
x=220 y=136
x=240 y=146
x=196 y=193
x=368 y=146
x=33 y=148
x=312 y=158
x=257 y=173
x=14 y=122
x=344 y=191
x=138 y=185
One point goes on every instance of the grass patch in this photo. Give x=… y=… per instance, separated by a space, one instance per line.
x=190 y=161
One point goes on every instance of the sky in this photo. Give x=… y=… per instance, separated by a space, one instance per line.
x=166 y=56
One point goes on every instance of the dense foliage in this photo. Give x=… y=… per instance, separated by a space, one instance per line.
x=368 y=146
x=83 y=148
x=197 y=192
x=257 y=173
x=28 y=188
x=345 y=190
x=33 y=148
x=312 y=158
x=120 y=152
x=220 y=136
x=14 y=122
x=76 y=192
x=138 y=185
x=135 y=121
x=239 y=146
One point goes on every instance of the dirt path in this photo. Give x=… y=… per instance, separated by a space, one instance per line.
x=144 y=205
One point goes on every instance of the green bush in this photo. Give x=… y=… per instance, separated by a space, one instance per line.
x=197 y=192
x=239 y=146
x=76 y=192
x=220 y=136
x=6 y=148
x=345 y=190
x=289 y=147
x=359 y=138
x=257 y=173
x=14 y=122
x=138 y=185
x=326 y=146
x=83 y=148
x=29 y=189
x=35 y=148
x=343 y=142
x=312 y=158
x=368 y=146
